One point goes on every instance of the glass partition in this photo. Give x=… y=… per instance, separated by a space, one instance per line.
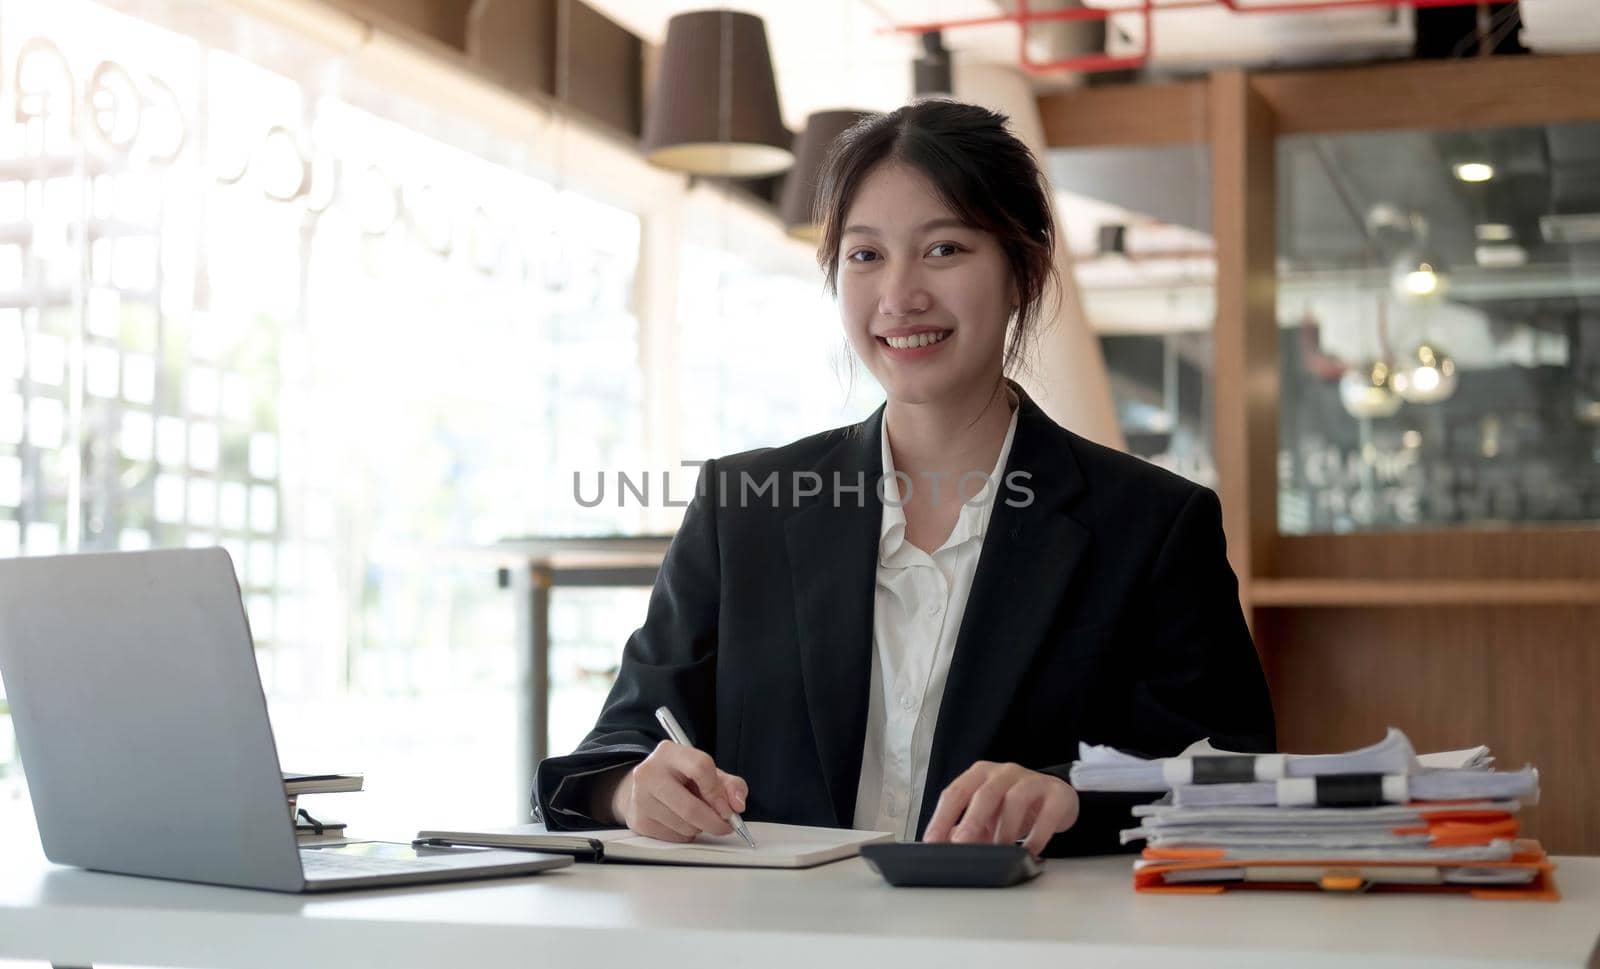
x=1439 y=316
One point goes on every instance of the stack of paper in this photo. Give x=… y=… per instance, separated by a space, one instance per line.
x=1377 y=816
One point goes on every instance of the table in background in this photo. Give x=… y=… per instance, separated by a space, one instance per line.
x=542 y=564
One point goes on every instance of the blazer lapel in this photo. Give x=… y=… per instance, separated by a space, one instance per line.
x=833 y=558
x=1029 y=555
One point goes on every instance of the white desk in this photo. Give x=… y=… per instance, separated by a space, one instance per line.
x=1078 y=913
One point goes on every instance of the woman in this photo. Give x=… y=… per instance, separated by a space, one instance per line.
x=911 y=623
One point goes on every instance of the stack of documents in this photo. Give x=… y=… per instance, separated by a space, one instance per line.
x=1380 y=816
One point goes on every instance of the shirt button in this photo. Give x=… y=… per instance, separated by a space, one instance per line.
x=933 y=609
x=905 y=701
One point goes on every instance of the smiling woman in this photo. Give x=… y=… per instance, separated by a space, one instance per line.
x=924 y=297
x=954 y=191
x=909 y=657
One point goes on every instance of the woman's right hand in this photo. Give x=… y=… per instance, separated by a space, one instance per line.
x=676 y=793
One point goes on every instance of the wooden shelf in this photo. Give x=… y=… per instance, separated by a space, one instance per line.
x=1462 y=592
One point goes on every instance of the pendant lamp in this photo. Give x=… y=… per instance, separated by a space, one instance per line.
x=810 y=151
x=1368 y=391
x=1428 y=375
x=715 y=110
x=1418 y=274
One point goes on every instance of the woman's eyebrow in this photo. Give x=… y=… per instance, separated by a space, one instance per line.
x=946 y=222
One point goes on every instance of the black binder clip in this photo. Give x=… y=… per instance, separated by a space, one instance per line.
x=316 y=826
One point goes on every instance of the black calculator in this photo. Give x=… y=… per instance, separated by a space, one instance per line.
x=943 y=864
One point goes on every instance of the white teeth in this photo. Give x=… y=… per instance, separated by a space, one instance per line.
x=918 y=340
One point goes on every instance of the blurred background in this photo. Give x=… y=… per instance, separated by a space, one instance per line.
x=372 y=292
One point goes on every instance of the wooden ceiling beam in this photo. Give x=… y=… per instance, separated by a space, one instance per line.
x=1129 y=114
x=1477 y=92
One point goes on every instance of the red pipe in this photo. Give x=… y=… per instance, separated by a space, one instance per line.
x=1236 y=7
x=1022 y=15
x=1091 y=63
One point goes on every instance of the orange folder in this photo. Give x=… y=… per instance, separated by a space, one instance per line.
x=1341 y=876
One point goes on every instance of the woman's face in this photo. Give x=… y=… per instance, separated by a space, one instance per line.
x=924 y=299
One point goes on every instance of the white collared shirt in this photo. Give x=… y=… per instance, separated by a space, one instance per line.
x=917 y=612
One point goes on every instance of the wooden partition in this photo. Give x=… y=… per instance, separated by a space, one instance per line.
x=1465 y=636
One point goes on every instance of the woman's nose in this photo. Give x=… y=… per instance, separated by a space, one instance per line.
x=902 y=294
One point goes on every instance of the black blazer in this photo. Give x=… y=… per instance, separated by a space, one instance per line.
x=1102 y=611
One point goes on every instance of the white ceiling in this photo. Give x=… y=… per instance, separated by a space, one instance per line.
x=838 y=53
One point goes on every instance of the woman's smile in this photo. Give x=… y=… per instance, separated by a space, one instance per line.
x=913 y=343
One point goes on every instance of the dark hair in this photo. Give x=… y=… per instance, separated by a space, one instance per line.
x=982 y=172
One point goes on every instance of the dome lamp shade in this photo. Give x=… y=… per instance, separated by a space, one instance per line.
x=715 y=109
x=798 y=202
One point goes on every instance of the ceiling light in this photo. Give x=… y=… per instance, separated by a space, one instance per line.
x=1417 y=273
x=1474 y=171
x=716 y=102
x=1422 y=281
x=1416 y=278
x=800 y=185
x=930 y=73
x=1427 y=376
x=1368 y=391
x=1494 y=232
x=1501 y=257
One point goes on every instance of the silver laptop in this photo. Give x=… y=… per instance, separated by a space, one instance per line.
x=144 y=736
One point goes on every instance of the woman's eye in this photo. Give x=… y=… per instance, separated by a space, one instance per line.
x=944 y=249
x=862 y=255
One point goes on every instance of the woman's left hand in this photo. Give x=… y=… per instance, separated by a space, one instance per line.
x=1003 y=802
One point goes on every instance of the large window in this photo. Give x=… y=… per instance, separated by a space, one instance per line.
x=764 y=356
x=250 y=298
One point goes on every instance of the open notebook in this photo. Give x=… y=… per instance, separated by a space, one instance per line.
x=777 y=845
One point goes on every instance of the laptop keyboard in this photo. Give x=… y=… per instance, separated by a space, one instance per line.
x=322 y=863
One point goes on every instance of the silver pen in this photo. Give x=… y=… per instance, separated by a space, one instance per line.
x=669 y=723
